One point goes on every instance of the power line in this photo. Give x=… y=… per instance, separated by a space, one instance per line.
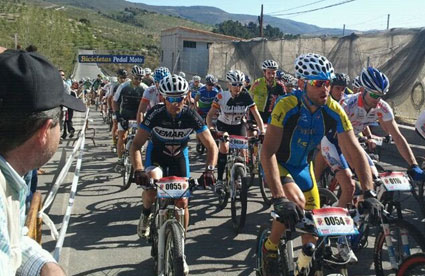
x=312 y=10
x=296 y=7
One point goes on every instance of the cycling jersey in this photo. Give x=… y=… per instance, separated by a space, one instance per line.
x=96 y=84
x=169 y=137
x=420 y=124
x=359 y=117
x=129 y=96
x=151 y=96
x=194 y=89
x=265 y=96
x=232 y=110
x=206 y=98
x=302 y=132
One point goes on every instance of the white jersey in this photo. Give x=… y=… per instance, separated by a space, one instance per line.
x=420 y=124
x=359 y=117
x=232 y=110
x=152 y=96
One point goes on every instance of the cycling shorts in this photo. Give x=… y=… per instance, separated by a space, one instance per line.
x=232 y=129
x=123 y=125
x=304 y=178
x=171 y=166
x=333 y=156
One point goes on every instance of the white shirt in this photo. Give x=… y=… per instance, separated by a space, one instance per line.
x=152 y=96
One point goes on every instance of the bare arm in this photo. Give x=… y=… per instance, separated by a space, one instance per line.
x=351 y=148
x=143 y=105
x=212 y=151
x=400 y=141
x=210 y=115
x=268 y=159
x=197 y=97
x=115 y=106
x=136 y=158
x=257 y=118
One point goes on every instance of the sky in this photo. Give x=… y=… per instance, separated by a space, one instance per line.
x=359 y=15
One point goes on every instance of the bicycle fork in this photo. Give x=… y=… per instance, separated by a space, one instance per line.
x=391 y=250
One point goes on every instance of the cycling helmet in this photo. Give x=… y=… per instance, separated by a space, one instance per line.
x=137 y=71
x=356 y=82
x=341 y=79
x=173 y=86
x=160 y=73
x=182 y=74
x=196 y=78
x=269 y=64
x=210 y=79
x=122 y=73
x=280 y=74
x=374 y=80
x=114 y=79
x=235 y=76
x=286 y=77
x=148 y=71
x=313 y=67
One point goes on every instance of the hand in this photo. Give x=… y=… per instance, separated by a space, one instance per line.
x=141 y=178
x=371 y=145
x=261 y=137
x=213 y=132
x=416 y=173
x=207 y=178
x=289 y=212
x=372 y=207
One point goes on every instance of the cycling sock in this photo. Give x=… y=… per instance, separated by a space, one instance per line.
x=145 y=211
x=221 y=164
x=270 y=246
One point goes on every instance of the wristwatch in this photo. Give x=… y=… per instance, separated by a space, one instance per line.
x=210 y=168
x=369 y=193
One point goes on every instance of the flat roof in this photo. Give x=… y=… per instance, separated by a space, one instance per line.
x=226 y=37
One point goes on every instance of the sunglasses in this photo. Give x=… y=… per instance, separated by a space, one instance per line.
x=375 y=96
x=237 y=84
x=174 y=99
x=319 y=83
x=137 y=78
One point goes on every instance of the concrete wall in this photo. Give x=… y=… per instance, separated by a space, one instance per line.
x=388 y=51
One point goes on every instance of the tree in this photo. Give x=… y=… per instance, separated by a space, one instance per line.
x=250 y=30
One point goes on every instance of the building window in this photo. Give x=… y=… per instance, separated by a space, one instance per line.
x=189 y=44
x=208 y=45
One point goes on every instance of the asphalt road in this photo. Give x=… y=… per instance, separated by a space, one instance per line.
x=102 y=239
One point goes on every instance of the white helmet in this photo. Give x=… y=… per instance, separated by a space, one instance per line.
x=357 y=83
x=313 y=67
x=269 y=64
x=182 y=74
x=196 y=78
x=235 y=76
x=137 y=71
x=148 y=71
x=173 y=86
x=114 y=79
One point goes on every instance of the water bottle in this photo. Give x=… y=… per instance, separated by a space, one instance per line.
x=304 y=259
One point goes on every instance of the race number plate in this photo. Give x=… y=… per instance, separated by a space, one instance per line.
x=333 y=221
x=132 y=124
x=238 y=142
x=395 y=181
x=173 y=187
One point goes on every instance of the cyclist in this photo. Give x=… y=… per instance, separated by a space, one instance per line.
x=152 y=96
x=356 y=85
x=194 y=86
x=205 y=96
x=148 y=79
x=125 y=103
x=233 y=106
x=247 y=83
x=339 y=86
x=298 y=123
x=96 y=85
x=267 y=89
x=168 y=127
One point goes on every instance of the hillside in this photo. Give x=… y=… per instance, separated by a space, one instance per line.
x=59 y=32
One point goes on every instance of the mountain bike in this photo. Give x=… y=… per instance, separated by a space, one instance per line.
x=331 y=225
x=235 y=184
x=127 y=170
x=414 y=265
x=167 y=233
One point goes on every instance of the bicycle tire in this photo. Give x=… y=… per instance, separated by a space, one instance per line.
x=223 y=197
x=266 y=194
x=263 y=233
x=173 y=251
x=127 y=174
x=413 y=265
x=378 y=255
x=327 y=198
x=239 y=211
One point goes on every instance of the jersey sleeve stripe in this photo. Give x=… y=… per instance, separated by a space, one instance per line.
x=142 y=126
x=202 y=129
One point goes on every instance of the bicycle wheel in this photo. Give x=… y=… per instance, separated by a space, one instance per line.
x=239 y=200
x=223 y=197
x=264 y=188
x=173 y=259
x=261 y=238
x=127 y=177
x=398 y=228
x=327 y=198
x=414 y=265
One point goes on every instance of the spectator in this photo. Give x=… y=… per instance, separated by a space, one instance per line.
x=31 y=96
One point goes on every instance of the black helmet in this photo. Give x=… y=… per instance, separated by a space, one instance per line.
x=341 y=79
x=122 y=73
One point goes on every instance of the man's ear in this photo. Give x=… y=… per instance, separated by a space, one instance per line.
x=43 y=131
x=300 y=83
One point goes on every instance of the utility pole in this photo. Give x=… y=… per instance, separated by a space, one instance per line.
x=388 y=22
x=16 y=41
x=343 y=30
x=260 y=21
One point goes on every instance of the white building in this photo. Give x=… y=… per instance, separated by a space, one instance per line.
x=185 y=49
